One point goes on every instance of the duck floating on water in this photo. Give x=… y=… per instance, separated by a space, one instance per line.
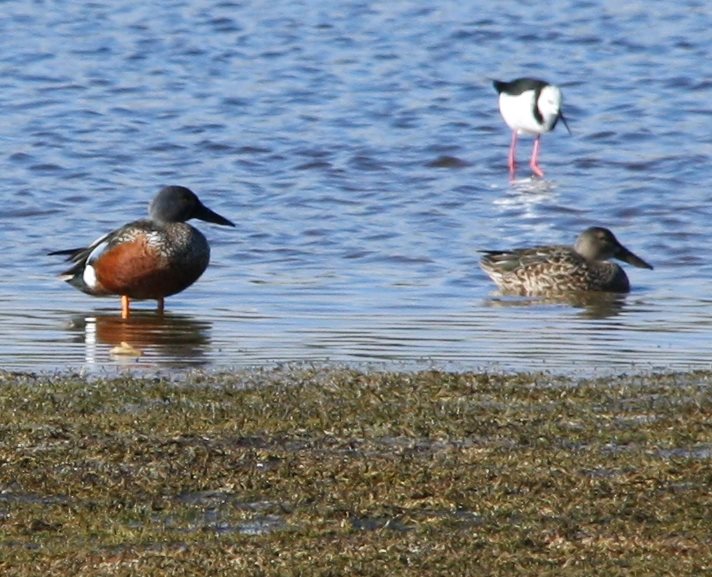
x=543 y=270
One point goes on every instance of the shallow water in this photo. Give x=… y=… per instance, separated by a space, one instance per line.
x=359 y=149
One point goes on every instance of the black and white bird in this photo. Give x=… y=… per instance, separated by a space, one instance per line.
x=531 y=107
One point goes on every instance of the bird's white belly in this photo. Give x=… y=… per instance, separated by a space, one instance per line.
x=518 y=113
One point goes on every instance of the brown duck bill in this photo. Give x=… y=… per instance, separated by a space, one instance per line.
x=631 y=258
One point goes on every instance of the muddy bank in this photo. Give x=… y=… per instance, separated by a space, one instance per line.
x=336 y=472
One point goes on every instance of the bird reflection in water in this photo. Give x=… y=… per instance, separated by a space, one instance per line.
x=144 y=338
x=593 y=305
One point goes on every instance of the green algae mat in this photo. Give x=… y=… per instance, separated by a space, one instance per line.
x=337 y=472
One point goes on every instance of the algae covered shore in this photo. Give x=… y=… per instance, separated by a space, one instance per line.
x=340 y=472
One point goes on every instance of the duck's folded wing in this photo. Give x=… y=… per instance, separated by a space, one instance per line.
x=80 y=256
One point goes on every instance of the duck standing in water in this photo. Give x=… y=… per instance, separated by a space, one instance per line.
x=543 y=270
x=150 y=258
x=529 y=106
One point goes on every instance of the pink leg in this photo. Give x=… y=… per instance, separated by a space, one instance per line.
x=513 y=154
x=535 y=158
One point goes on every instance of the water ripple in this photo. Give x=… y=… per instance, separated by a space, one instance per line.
x=364 y=162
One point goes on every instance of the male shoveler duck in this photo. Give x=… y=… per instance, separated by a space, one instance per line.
x=529 y=106
x=559 y=269
x=150 y=258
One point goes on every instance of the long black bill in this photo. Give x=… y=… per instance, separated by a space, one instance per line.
x=627 y=256
x=204 y=213
x=563 y=119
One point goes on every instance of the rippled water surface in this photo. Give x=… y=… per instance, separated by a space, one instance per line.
x=359 y=149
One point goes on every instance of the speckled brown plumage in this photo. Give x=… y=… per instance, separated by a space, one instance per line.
x=559 y=268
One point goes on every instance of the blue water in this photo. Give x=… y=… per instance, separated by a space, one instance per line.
x=359 y=149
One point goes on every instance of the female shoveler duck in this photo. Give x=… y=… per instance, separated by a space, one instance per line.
x=147 y=259
x=558 y=269
x=529 y=106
